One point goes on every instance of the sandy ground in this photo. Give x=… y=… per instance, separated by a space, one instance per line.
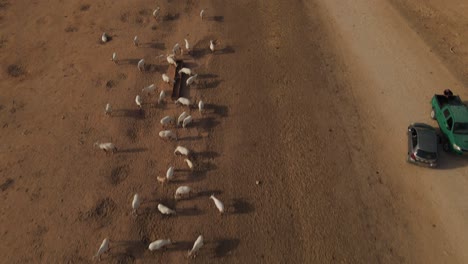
x=310 y=99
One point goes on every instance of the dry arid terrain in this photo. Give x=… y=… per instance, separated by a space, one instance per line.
x=303 y=137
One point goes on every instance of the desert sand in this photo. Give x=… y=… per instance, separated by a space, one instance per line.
x=302 y=138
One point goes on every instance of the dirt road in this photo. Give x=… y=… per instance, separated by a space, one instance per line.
x=303 y=138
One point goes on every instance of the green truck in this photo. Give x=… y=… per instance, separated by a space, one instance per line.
x=452 y=116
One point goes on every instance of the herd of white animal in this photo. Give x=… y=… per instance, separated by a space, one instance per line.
x=185 y=119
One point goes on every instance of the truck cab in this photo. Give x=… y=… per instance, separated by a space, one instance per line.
x=452 y=116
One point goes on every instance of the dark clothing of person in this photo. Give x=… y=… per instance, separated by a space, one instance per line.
x=448 y=93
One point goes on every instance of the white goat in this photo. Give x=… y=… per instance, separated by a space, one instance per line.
x=167 y=134
x=162 y=95
x=187 y=46
x=107 y=147
x=149 y=88
x=108 y=109
x=166 y=120
x=202 y=13
x=104 y=37
x=138 y=101
x=158 y=244
x=181 y=151
x=169 y=176
x=196 y=246
x=212 y=45
x=181 y=118
x=170 y=173
x=141 y=65
x=182 y=191
x=189 y=163
x=166 y=78
x=165 y=210
x=102 y=248
x=176 y=49
x=201 y=107
x=156 y=12
x=186 y=71
x=171 y=60
x=114 y=57
x=183 y=101
x=191 y=80
x=136 y=203
x=135 y=41
x=218 y=204
x=187 y=121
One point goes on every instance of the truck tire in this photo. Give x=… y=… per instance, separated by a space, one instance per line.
x=433 y=115
x=446 y=147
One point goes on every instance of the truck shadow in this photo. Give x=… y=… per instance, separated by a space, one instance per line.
x=449 y=160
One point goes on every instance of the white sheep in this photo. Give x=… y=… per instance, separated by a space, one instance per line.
x=169 y=176
x=187 y=46
x=202 y=13
x=189 y=163
x=162 y=95
x=158 y=244
x=104 y=37
x=149 y=88
x=166 y=120
x=141 y=65
x=181 y=118
x=181 y=151
x=135 y=41
x=108 y=109
x=191 y=80
x=165 y=210
x=171 y=60
x=201 y=107
x=167 y=134
x=186 y=71
x=156 y=12
x=107 y=147
x=102 y=248
x=196 y=246
x=166 y=78
x=170 y=173
x=183 y=101
x=212 y=45
x=182 y=191
x=114 y=57
x=136 y=203
x=218 y=204
x=187 y=121
x=138 y=101
x=176 y=48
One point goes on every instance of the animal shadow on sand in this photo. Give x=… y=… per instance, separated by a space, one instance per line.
x=209 y=84
x=127 y=61
x=207 y=154
x=225 y=246
x=198 y=53
x=171 y=17
x=132 y=150
x=189 y=138
x=225 y=50
x=241 y=206
x=154 y=45
x=206 y=76
x=134 y=113
x=220 y=110
x=215 y=18
x=126 y=250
